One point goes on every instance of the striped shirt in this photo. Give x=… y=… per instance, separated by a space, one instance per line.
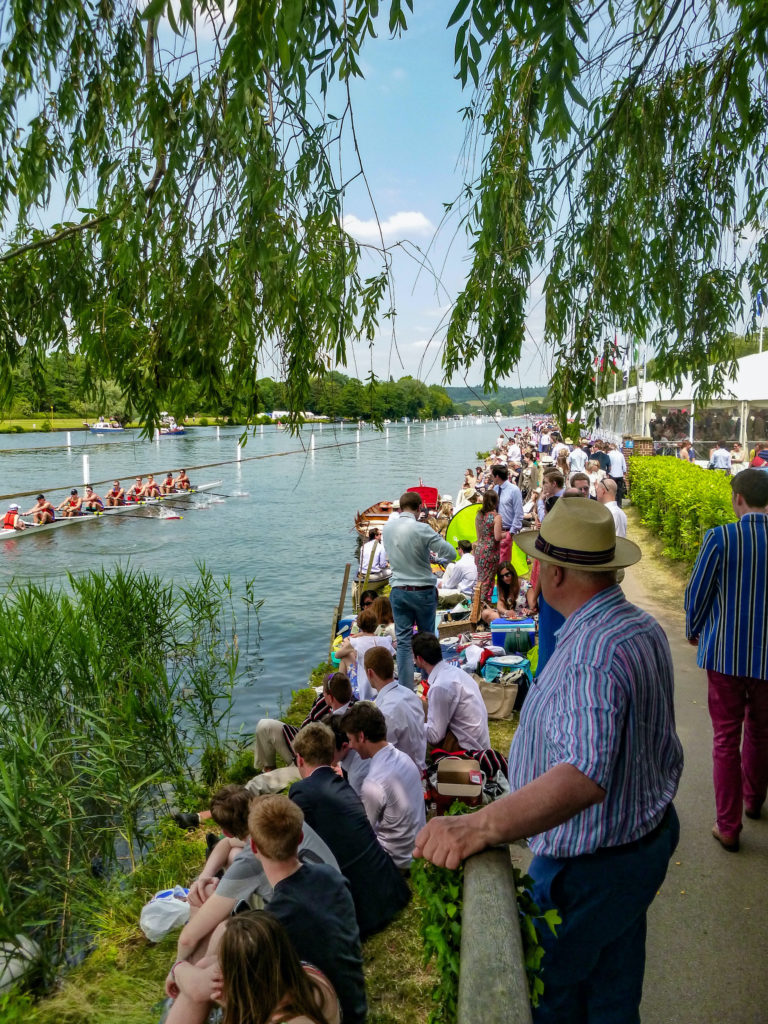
x=726 y=603
x=604 y=703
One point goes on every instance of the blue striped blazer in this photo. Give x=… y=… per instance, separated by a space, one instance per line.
x=726 y=600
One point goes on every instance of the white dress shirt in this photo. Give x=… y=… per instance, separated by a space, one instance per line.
x=461 y=575
x=577 y=460
x=393 y=798
x=619 y=518
x=363 y=643
x=455 y=703
x=356 y=769
x=617 y=463
x=379 y=563
x=404 y=712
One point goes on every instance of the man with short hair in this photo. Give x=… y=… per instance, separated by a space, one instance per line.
x=460 y=578
x=42 y=511
x=617 y=470
x=212 y=899
x=594 y=767
x=510 y=510
x=721 y=457
x=457 y=718
x=552 y=486
x=334 y=810
x=577 y=459
x=402 y=709
x=274 y=738
x=727 y=618
x=373 y=563
x=600 y=456
x=392 y=792
x=311 y=901
x=580 y=483
x=605 y=490
x=411 y=546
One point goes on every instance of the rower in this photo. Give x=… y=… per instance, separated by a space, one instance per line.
x=92 y=502
x=12 y=520
x=168 y=485
x=71 y=506
x=183 y=482
x=135 y=492
x=117 y=495
x=151 y=489
x=42 y=511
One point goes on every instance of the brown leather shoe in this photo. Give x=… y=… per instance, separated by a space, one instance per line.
x=731 y=845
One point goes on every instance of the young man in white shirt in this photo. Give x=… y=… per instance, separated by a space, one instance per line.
x=457 y=718
x=392 y=793
x=402 y=709
x=460 y=578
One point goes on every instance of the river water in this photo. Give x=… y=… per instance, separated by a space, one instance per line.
x=289 y=523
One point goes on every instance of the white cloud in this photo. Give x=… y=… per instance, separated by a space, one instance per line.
x=398 y=225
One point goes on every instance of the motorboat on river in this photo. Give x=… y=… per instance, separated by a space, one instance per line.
x=103 y=426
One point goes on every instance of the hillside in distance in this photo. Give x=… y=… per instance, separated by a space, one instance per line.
x=476 y=396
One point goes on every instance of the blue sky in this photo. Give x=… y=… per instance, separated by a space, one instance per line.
x=410 y=134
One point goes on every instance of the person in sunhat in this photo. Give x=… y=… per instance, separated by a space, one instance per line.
x=11 y=520
x=594 y=767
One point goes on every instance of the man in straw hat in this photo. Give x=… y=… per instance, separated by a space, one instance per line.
x=593 y=768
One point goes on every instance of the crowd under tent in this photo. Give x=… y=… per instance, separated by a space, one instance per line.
x=657 y=411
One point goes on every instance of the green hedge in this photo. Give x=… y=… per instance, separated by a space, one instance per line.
x=679 y=501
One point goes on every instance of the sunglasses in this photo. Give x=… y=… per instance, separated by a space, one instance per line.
x=367 y=604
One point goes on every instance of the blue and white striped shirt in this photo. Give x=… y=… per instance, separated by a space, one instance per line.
x=726 y=600
x=604 y=703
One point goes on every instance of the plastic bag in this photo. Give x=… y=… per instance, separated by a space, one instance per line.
x=166 y=910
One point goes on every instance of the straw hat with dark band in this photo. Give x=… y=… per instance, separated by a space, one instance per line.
x=579 y=534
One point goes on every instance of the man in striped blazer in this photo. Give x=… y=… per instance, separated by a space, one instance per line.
x=726 y=604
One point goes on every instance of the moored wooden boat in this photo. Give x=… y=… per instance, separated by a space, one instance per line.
x=377 y=515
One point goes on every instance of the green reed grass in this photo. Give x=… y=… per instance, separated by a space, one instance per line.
x=111 y=693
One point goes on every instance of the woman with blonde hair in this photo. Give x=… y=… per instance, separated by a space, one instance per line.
x=264 y=982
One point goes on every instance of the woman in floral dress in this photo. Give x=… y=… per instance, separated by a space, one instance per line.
x=489 y=533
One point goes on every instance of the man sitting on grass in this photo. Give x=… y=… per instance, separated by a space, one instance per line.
x=403 y=710
x=334 y=810
x=392 y=792
x=212 y=899
x=273 y=737
x=311 y=901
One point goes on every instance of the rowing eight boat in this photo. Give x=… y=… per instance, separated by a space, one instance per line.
x=113 y=510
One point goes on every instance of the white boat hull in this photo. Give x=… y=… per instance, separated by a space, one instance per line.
x=114 y=510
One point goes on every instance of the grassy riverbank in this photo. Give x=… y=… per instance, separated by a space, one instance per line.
x=123 y=977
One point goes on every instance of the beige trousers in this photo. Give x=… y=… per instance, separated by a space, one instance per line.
x=268 y=743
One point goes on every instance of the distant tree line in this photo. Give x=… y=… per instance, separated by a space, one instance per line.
x=62 y=382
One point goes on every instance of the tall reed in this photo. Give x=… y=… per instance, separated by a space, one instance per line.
x=111 y=692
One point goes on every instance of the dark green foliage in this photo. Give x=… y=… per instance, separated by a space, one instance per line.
x=194 y=191
x=679 y=501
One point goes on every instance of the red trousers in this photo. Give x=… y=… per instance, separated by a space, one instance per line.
x=738 y=707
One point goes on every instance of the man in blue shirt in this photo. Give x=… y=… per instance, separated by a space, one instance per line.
x=721 y=457
x=726 y=606
x=510 y=509
x=410 y=546
x=594 y=766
